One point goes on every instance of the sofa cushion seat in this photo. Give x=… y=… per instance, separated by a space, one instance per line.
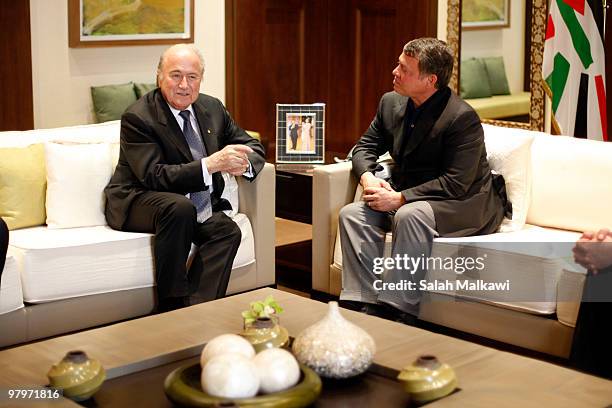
x=64 y=263
x=11 y=295
x=536 y=260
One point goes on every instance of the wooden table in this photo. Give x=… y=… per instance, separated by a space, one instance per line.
x=487 y=377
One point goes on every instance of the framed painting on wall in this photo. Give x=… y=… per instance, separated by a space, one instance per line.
x=485 y=14
x=98 y=23
x=300 y=133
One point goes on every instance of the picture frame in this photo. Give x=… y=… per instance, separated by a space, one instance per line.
x=485 y=14
x=292 y=121
x=95 y=23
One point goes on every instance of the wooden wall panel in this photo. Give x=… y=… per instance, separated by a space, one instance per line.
x=340 y=52
x=16 y=107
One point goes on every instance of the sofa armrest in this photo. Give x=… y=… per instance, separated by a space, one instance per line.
x=333 y=186
x=257 y=202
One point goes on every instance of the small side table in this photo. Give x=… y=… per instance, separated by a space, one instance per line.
x=294 y=205
x=294 y=192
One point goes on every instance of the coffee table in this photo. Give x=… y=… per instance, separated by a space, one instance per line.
x=487 y=377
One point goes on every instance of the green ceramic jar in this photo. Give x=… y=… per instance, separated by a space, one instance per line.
x=265 y=332
x=427 y=379
x=78 y=375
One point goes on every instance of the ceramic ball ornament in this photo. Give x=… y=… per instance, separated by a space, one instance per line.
x=277 y=369
x=224 y=344
x=230 y=375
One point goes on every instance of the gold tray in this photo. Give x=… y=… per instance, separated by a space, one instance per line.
x=182 y=386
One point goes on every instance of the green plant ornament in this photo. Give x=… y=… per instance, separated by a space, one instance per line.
x=260 y=309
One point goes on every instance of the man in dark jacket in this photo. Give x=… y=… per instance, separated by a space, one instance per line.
x=440 y=184
x=175 y=142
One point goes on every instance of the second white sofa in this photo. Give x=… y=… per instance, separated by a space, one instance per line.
x=558 y=187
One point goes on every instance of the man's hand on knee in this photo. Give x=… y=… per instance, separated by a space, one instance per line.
x=381 y=199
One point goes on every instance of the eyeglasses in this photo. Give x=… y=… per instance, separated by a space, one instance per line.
x=178 y=77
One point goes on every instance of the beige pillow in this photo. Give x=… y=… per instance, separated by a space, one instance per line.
x=22 y=186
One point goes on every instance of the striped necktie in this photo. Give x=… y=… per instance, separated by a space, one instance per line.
x=200 y=199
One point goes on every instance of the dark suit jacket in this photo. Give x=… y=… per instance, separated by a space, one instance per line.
x=444 y=162
x=155 y=156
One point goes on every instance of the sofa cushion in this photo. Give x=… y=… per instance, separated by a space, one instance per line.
x=107 y=132
x=11 y=295
x=509 y=154
x=533 y=260
x=76 y=177
x=570 y=189
x=537 y=261
x=110 y=101
x=65 y=263
x=474 y=82
x=502 y=106
x=143 y=88
x=496 y=72
x=22 y=186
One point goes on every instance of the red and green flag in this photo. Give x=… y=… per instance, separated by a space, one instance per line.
x=574 y=68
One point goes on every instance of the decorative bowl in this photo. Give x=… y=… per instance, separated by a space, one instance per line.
x=77 y=375
x=427 y=379
x=182 y=386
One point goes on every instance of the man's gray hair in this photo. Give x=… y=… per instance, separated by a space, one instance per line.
x=190 y=47
x=434 y=56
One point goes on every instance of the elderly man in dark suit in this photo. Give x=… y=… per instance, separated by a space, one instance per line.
x=440 y=184
x=175 y=142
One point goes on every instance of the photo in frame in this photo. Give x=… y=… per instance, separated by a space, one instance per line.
x=95 y=23
x=485 y=14
x=300 y=133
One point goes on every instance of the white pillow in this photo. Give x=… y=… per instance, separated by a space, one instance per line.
x=509 y=154
x=115 y=149
x=76 y=177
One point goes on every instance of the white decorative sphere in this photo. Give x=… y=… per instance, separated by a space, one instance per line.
x=277 y=368
x=226 y=343
x=230 y=376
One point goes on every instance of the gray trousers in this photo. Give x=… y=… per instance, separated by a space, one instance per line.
x=362 y=235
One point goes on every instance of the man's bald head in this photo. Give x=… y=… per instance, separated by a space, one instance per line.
x=179 y=49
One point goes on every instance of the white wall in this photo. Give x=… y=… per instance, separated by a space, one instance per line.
x=61 y=76
x=507 y=42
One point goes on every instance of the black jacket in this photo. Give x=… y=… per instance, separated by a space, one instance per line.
x=444 y=162
x=155 y=156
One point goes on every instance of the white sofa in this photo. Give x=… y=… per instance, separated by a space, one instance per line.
x=558 y=186
x=75 y=271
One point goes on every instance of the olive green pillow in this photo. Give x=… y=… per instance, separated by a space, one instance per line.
x=23 y=185
x=142 y=89
x=474 y=82
x=497 y=75
x=110 y=101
